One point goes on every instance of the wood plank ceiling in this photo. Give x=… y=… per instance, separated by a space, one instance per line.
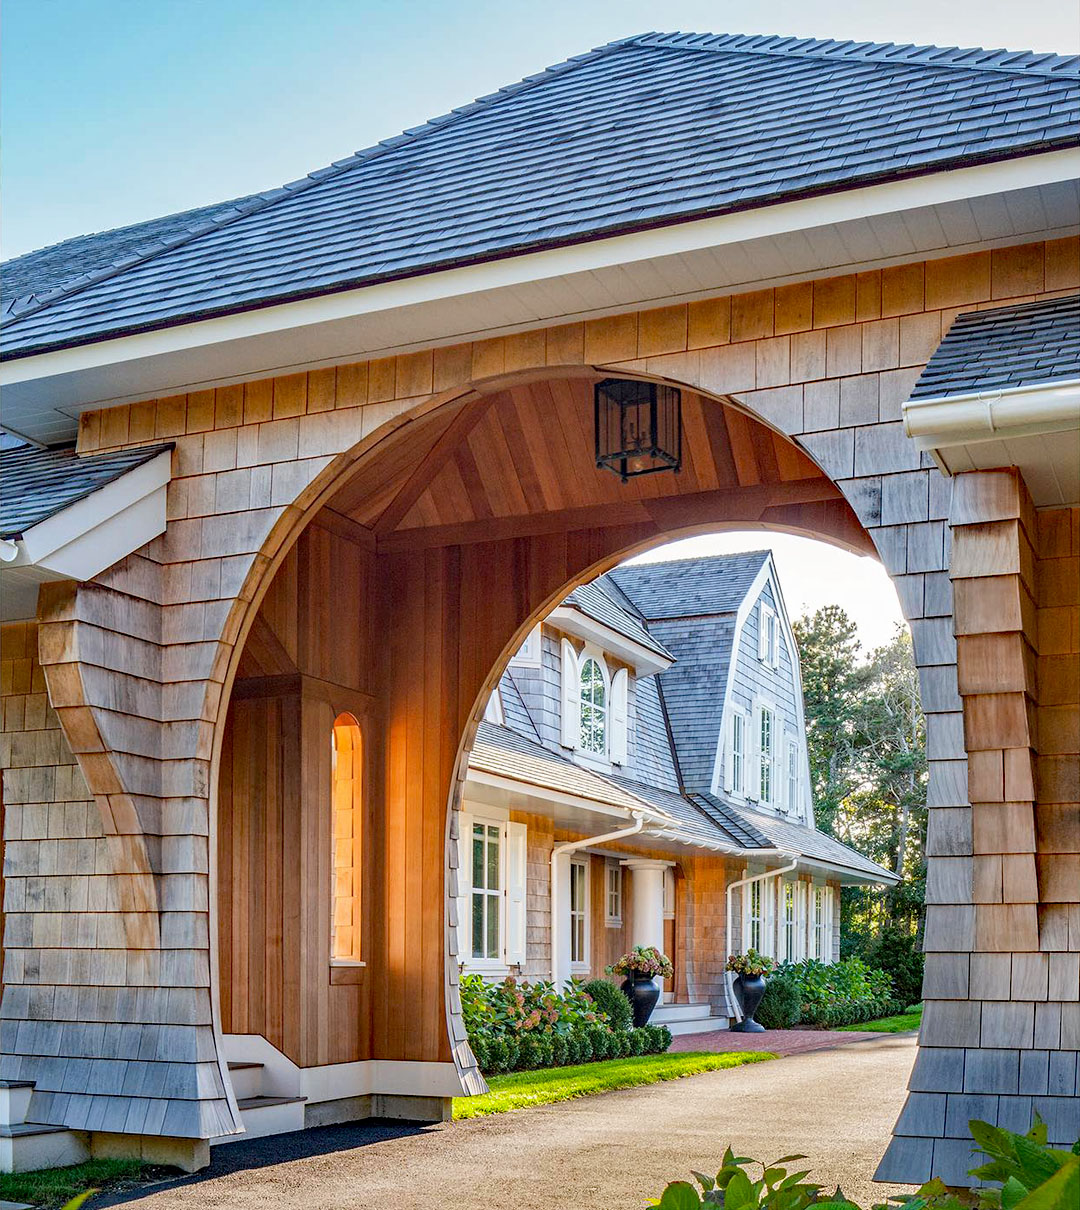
x=521 y=461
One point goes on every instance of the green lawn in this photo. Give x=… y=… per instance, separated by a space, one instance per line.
x=52 y=1187
x=524 y=1088
x=899 y=1024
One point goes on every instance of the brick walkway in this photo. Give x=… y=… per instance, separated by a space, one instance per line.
x=779 y=1041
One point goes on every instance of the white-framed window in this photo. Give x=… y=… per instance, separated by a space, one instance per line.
x=530 y=653
x=492 y=870
x=819 y=940
x=579 y=914
x=766 y=740
x=768 y=636
x=794 y=780
x=593 y=707
x=789 y=922
x=755 y=935
x=613 y=876
x=485 y=933
x=737 y=745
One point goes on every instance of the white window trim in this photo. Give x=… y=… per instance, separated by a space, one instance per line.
x=581 y=966
x=792 y=798
x=597 y=760
x=737 y=789
x=768 y=652
x=504 y=963
x=493 y=711
x=758 y=891
x=613 y=889
x=531 y=652
x=754 y=790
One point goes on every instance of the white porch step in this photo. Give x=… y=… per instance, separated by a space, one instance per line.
x=27 y=1146
x=266 y=1115
x=247 y=1079
x=14 y=1101
x=705 y=1025
x=665 y=1014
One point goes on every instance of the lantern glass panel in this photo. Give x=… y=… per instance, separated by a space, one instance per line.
x=638 y=427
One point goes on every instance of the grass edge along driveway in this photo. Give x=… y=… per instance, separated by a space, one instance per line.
x=522 y=1089
x=900 y=1024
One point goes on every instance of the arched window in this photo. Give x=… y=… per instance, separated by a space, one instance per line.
x=347 y=798
x=593 y=689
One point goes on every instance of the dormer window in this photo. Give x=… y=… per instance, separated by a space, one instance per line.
x=594 y=704
x=768 y=636
x=593 y=707
x=793 y=779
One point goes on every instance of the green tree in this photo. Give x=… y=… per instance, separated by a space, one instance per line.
x=867 y=749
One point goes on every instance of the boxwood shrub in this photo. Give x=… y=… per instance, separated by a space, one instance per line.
x=521 y=1026
x=779 y=1007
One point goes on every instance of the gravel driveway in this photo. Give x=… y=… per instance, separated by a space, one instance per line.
x=599 y=1153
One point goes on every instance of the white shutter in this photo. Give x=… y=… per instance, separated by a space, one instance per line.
x=619 y=692
x=753 y=751
x=762 y=632
x=516 y=864
x=729 y=751
x=571 y=696
x=464 y=886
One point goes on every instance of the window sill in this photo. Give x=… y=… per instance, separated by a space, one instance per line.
x=613 y=922
x=344 y=972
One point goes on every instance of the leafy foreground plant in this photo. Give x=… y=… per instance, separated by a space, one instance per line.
x=1030 y=1175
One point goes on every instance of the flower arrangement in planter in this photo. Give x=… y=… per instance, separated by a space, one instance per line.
x=640 y=967
x=750 y=970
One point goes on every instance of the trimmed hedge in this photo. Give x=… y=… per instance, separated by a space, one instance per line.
x=779 y=1007
x=842 y=993
x=521 y=1026
x=612 y=1002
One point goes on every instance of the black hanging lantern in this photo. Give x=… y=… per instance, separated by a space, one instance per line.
x=638 y=427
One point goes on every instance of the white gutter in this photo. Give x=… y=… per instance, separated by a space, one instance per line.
x=945 y=421
x=728 y=975
x=569 y=847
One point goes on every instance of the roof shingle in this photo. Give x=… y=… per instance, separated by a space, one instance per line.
x=648 y=130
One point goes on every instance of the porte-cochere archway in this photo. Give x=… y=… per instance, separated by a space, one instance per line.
x=417 y=572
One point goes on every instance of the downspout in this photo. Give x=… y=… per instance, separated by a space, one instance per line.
x=571 y=846
x=728 y=975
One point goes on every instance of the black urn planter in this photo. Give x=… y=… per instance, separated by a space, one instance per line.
x=751 y=989
x=642 y=992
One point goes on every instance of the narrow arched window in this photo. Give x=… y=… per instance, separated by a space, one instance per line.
x=347 y=798
x=593 y=708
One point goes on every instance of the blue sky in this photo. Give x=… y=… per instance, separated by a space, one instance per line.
x=114 y=111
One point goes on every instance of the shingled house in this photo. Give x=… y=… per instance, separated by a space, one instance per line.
x=641 y=778
x=239 y=701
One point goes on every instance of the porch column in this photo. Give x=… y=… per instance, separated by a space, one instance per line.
x=647 y=898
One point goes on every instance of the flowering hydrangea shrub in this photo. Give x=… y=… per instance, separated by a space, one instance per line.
x=643 y=960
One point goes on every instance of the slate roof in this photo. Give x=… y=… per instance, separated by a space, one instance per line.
x=684 y=588
x=515 y=712
x=648 y=130
x=810 y=843
x=600 y=601
x=59 y=265
x=691 y=607
x=36 y=484
x=1006 y=347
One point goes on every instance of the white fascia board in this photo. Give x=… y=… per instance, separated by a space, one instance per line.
x=534 y=790
x=943 y=421
x=284 y=321
x=642 y=659
x=847 y=873
x=101 y=529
